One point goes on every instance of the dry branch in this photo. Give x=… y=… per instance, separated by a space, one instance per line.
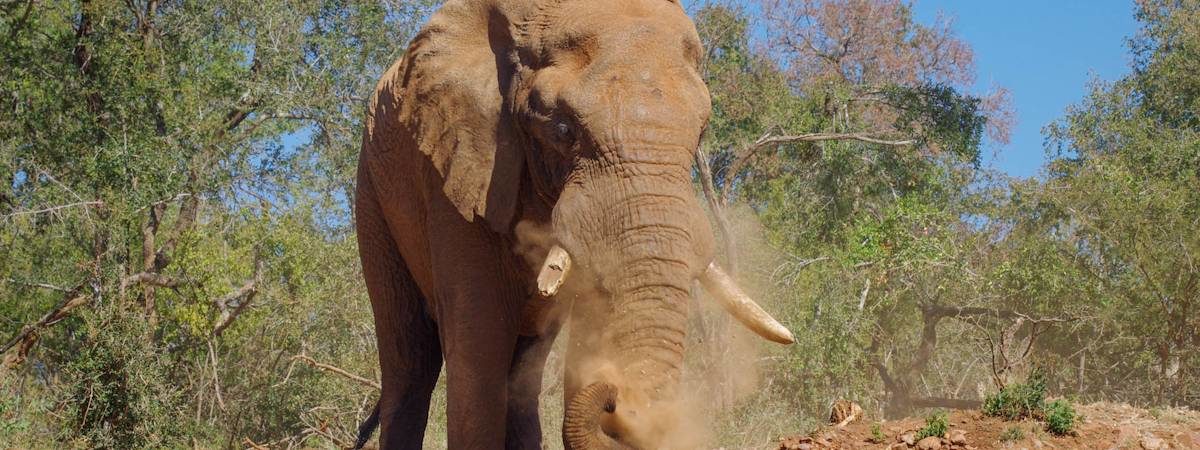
x=817 y=137
x=152 y=279
x=329 y=368
x=58 y=313
x=37 y=285
x=718 y=209
x=228 y=315
x=53 y=209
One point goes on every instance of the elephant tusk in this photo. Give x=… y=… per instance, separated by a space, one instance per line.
x=554 y=271
x=731 y=297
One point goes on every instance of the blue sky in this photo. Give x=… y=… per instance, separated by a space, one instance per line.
x=1044 y=52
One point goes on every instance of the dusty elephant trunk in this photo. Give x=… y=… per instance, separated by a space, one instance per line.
x=644 y=240
x=582 y=423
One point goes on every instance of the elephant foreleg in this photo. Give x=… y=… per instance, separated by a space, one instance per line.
x=524 y=388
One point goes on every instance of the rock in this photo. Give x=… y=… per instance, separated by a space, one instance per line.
x=930 y=443
x=908 y=438
x=1150 y=442
x=958 y=437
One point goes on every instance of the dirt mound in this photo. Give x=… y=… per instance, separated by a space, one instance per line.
x=1101 y=426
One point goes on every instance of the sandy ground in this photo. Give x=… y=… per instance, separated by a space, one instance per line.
x=1103 y=426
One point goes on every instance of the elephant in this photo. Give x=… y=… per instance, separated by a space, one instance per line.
x=526 y=166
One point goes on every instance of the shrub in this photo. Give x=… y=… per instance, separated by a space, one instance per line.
x=1012 y=434
x=877 y=435
x=935 y=425
x=1020 y=400
x=1060 y=417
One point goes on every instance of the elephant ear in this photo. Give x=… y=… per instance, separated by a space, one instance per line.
x=452 y=89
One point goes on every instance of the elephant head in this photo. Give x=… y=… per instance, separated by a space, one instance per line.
x=590 y=111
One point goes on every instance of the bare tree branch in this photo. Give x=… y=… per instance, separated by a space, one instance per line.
x=718 y=208
x=329 y=368
x=768 y=139
x=151 y=279
x=818 y=137
x=245 y=293
x=58 y=313
x=37 y=285
x=53 y=209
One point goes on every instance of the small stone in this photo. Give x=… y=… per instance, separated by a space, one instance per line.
x=930 y=443
x=1150 y=442
x=908 y=438
x=958 y=437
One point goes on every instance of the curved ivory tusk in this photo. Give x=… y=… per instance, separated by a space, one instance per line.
x=719 y=285
x=554 y=271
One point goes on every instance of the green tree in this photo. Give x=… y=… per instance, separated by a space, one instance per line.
x=174 y=216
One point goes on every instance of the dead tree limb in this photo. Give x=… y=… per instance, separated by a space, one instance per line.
x=768 y=139
x=37 y=285
x=94 y=203
x=60 y=312
x=718 y=209
x=244 y=294
x=152 y=279
x=328 y=368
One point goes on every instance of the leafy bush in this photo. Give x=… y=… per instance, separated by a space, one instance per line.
x=1020 y=400
x=935 y=425
x=1060 y=417
x=1012 y=434
x=877 y=435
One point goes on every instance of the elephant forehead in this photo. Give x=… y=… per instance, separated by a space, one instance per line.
x=617 y=23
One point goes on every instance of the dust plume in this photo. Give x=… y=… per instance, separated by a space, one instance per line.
x=721 y=359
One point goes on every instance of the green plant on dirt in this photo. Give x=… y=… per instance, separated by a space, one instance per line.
x=1019 y=400
x=1060 y=417
x=935 y=425
x=877 y=435
x=10 y=422
x=1011 y=434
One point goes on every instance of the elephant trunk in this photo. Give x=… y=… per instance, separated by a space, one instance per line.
x=649 y=323
x=581 y=427
x=653 y=262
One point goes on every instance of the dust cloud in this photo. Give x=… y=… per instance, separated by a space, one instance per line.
x=721 y=356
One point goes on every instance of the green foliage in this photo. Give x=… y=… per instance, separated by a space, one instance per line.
x=10 y=423
x=1018 y=400
x=212 y=144
x=1060 y=417
x=936 y=425
x=117 y=391
x=877 y=435
x=942 y=117
x=1012 y=434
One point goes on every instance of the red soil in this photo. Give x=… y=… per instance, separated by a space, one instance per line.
x=1102 y=426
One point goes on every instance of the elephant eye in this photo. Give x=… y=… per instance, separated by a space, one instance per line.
x=563 y=132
